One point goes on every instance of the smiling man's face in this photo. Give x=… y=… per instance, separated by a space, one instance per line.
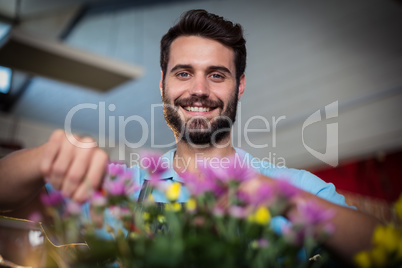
x=199 y=91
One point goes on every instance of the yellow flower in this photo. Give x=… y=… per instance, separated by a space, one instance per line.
x=145 y=216
x=173 y=207
x=386 y=238
x=173 y=191
x=260 y=216
x=161 y=219
x=399 y=250
x=134 y=235
x=191 y=205
x=363 y=259
x=150 y=199
x=148 y=228
x=398 y=207
x=379 y=257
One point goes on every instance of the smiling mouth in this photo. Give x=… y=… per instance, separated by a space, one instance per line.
x=197 y=109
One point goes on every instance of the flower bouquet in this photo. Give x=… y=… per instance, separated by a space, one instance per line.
x=387 y=241
x=219 y=226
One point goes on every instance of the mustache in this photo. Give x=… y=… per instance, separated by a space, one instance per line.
x=205 y=102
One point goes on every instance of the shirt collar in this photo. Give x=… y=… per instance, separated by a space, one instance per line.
x=170 y=173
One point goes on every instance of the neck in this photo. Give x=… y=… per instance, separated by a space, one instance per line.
x=187 y=155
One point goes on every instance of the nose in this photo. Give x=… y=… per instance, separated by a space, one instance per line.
x=199 y=87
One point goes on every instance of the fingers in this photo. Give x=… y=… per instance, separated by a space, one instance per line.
x=61 y=164
x=93 y=178
x=75 y=168
x=51 y=151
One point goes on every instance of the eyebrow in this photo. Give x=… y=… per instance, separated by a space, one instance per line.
x=219 y=68
x=210 y=68
x=181 y=66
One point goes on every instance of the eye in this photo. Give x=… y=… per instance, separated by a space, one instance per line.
x=183 y=75
x=217 y=77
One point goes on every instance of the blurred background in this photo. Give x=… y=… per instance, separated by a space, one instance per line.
x=323 y=82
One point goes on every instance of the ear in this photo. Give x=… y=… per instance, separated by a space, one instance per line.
x=161 y=83
x=242 y=85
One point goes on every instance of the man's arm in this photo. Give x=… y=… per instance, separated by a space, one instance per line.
x=62 y=161
x=20 y=178
x=353 y=229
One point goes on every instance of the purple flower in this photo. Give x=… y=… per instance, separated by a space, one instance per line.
x=114 y=187
x=98 y=200
x=153 y=162
x=295 y=236
x=119 y=212
x=262 y=243
x=35 y=216
x=225 y=169
x=120 y=185
x=244 y=196
x=54 y=198
x=312 y=214
x=263 y=195
x=285 y=188
x=155 y=180
x=73 y=208
x=115 y=169
x=238 y=212
x=218 y=211
x=199 y=185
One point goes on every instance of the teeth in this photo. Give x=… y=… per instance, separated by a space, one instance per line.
x=197 y=109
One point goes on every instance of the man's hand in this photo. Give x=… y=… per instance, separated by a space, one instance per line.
x=74 y=165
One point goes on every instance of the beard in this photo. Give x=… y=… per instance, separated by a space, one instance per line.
x=199 y=130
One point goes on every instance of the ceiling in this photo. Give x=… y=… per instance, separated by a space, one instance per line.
x=302 y=57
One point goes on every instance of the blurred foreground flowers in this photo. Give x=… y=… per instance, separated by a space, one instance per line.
x=219 y=226
x=387 y=241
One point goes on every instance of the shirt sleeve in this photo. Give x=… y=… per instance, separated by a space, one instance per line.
x=306 y=181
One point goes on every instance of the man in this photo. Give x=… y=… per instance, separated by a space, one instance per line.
x=203 y=59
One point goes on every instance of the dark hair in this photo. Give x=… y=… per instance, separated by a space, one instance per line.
x=201 y=23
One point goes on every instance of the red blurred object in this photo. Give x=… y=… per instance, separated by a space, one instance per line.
x=376 y=177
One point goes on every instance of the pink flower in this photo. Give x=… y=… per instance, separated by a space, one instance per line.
x=114 y=187
x=120 y=185
x=293 y=235
x=238 y=212
x=262 y=243
x=199 y=185
x=98 y=200
x=285 y=188
x=73 y=208
x=199 y=221
x=153 y=162
x=119 y=212
x=218 y=211
x=54 y=198
x=226 y=169
x=155 y=180
x=35 y=216
x=312 y=214
x=115 y=169
x=263 y=195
